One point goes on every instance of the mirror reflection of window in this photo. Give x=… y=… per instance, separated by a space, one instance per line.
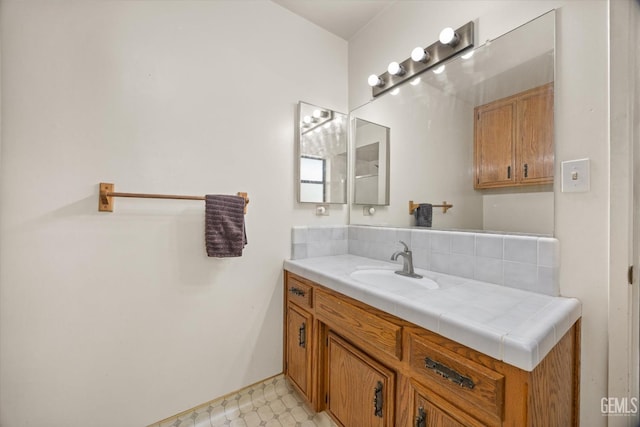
x=312 y=178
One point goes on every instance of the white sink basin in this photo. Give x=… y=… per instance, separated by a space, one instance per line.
x=390 y=281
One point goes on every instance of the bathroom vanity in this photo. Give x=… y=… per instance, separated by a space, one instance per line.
x=388 y=355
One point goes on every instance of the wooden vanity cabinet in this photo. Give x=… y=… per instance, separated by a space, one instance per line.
x=299 y=339
x=298 y=347
x=360 y=390
x=513 y=140
x=368 y=368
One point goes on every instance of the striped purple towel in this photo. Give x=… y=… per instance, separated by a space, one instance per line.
x=224 y=231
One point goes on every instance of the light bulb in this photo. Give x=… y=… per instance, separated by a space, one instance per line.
x=448 y=36
x=420 y=55
x=395 y=69
x=375 y=81
x=439 y=69
x=468 y=54
x=415 y=81
x=317 y=114
x=307 y=119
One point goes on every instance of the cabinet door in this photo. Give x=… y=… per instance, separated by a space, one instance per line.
x=494 y=139
x=360 y=390
x=535 y=136
x=431 y=410
x=298 y=349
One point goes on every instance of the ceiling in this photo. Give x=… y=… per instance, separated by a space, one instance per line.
x=344 y=18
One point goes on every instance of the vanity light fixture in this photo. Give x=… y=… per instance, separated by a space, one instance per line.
x=375 y=81
x=420 y=54
x=449 y=37
x=316 y=120
x=396 y=69
x=451 y=43
x=320 y=114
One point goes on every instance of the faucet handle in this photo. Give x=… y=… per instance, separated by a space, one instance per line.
x=406 y=248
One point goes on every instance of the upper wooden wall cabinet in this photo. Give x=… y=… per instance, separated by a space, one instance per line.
x=513 y=140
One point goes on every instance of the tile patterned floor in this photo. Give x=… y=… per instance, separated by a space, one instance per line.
x=271 y=403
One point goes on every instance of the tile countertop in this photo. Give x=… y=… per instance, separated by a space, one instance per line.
x=515 y=326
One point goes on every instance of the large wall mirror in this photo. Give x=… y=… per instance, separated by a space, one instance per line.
x=322 y=155
x=478 y=135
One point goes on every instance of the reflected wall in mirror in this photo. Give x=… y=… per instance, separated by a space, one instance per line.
x=435 y=127
x=322 y=155
x=371 y=163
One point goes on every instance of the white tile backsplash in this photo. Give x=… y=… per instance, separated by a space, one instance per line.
x=489 y=270
x=440 y=262
x=524 y=262
x=308 y=242
x=463 y=243
x=521 y=249
x=441 y=242
x=521 y=275
x=490 y=246
x=462 y=265
x=548 y=252
x=298 y=251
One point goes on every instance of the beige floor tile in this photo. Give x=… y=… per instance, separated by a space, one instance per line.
x=273 y=403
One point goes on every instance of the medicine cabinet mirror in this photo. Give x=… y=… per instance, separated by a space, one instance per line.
x=322 y=155
x=371 y=163
x=435 y=121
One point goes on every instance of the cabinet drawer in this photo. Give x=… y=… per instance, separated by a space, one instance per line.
x=299 y=292
x=359 y=325
x=460 y=377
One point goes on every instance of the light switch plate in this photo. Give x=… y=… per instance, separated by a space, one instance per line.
x=575 y=176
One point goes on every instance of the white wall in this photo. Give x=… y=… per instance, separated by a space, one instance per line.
x=581 y=219
x=512 y=212
x=120 y=318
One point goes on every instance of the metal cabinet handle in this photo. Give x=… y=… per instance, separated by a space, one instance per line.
x=526 y=170
x=302 y=335
x=421 y=419
x=508 y=172
x=448 y=373
x=297 y=291
x=377 y=400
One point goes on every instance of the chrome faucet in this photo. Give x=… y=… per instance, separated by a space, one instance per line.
x=407 y=262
